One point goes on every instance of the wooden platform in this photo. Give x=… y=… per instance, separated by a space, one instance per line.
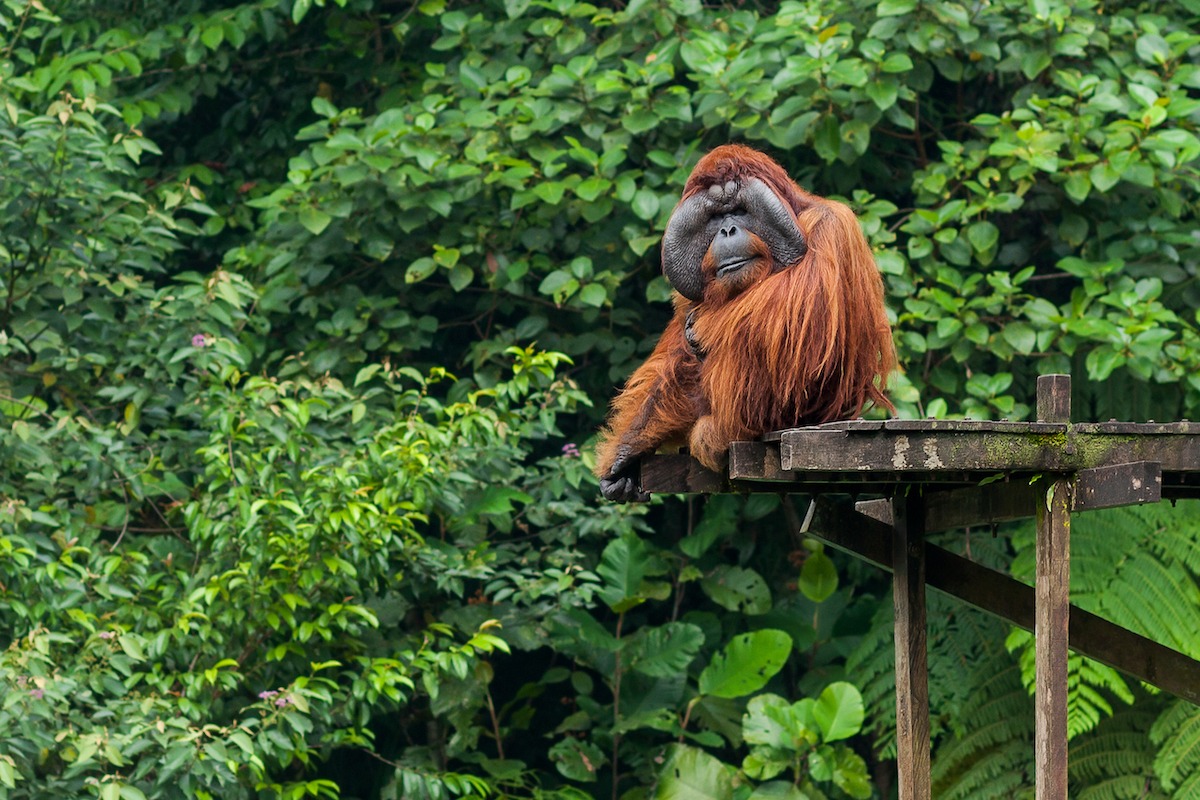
x=937 y=475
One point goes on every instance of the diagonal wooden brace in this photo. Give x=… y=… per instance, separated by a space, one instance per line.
x=1011 y=600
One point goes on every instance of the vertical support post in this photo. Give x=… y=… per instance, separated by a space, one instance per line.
x=1053 y=558
x=912 y=677
x=1054 y=398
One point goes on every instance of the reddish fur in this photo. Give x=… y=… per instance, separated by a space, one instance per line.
x=808 y=344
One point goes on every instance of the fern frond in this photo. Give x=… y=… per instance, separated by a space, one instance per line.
x=1115 y=761
x=1126 y=787
x=1177 y=734
x=992 y=756
x=1087 y=705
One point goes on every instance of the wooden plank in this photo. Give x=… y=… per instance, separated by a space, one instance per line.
x=912 y=688
x=1054 y=398
x=758 y=461
x=930 y=451
x=1051 y=631
x=1118 y=485
x=679 y=474
x=993 y=503
x=996 y=593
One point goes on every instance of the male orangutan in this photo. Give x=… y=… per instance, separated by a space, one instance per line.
x=779 y=321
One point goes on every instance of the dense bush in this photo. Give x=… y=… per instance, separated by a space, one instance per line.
x=308 y=311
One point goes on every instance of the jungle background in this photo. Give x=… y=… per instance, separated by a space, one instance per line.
x=309 y=310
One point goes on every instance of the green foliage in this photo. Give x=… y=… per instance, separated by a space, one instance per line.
x=791 y=737
x=307 y=310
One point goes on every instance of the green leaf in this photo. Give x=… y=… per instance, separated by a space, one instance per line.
x=640 y=121
x=839 y=711
x=1021 y=336
x=818 y=577
x=1104 y=176
x=550 y=191
x=499 y=500
x=1101 y=362
x=419 y=270
x=778 y=790
x=461 y=276
x=554 y=282
x=623 y=567
x=665 y=651
x=692 y=774
x=1153 y=49
x=720 y=514
x=894 y=8
x=983 y=235
x=766 y=722
x=578 y=759
x=850 y=774
x=827 y=140
x=897 y=62
x=593 y=295
x=592 y=188
x=746 y=664
x=645 y=204
x=738 y=589
x=212 y=37
x=314 y=219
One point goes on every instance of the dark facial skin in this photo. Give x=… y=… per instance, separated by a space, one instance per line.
x=731 y=223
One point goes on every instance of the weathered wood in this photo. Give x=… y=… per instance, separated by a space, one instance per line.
x=758 y=461
x=1051 y=631
x=754 y=467
x=1103 y=487
x=990 y=452
x=912 y=689
x=1118 y=485
x=1054 y=398
x=679 y=474
x=998 y=594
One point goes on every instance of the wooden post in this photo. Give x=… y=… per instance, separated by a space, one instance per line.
x=1054 y=398
x=912 y=682
x=1052 y=615
x=1053 y=558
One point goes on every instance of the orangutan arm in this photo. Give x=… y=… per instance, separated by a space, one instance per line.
x=659 y=403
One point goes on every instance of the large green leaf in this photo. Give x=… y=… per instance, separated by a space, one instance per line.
x=664 y=651
x=839 y=711
x=692 y=774
x=623 y=566
x=746 y=663
x=738 y=589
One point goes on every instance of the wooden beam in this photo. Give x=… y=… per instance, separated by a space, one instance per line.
x=994 y=451
x=1103 y=487
x=912 y=687
x=1009 y=599
x=1051 y=632
x=679 y=474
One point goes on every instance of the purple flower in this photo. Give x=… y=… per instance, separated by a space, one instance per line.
x=283 y=701
x=267 y=695
x=199 y=340
x=36 y=694
x=570 y=450
x=106 y=634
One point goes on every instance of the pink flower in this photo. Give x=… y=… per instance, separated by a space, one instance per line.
x=106 y=634
x=199 y=340
x=36 y=693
